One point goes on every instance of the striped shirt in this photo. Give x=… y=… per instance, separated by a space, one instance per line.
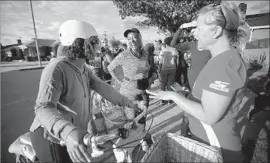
x=131 y=66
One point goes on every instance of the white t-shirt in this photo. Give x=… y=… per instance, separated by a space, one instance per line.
x=167 y=57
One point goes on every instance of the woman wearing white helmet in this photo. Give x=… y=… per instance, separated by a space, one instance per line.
x=62 y=110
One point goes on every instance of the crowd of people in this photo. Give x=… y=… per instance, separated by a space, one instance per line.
x=202 y=56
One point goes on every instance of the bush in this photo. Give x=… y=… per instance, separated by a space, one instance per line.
x=256 y=63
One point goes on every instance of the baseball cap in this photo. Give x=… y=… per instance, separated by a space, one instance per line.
x=135 y=30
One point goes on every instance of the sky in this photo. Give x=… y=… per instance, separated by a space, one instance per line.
x=16 y=20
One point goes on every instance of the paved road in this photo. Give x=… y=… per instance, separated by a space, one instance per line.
x=18 y=94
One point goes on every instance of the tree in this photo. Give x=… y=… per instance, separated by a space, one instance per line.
x=115 y=44
x=167 y=15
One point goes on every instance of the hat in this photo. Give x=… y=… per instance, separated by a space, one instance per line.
x=135 y=30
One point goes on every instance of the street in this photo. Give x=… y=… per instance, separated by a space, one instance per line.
x=18 y=93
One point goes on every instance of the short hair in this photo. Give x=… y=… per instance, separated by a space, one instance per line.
x=102 y=49
x=168 y=40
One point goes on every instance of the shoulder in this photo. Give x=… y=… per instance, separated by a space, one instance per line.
x=123 y=55
x=57 y=64
x=226 y=73
x=175 y=52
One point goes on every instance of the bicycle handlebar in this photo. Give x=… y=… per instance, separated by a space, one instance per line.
x=122 y=132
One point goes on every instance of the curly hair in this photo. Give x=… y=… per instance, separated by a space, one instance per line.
x=75 y=51
x=80 y=48
x=168 y=40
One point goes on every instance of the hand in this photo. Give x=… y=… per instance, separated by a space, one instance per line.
x=187 y=25
x=75 y=147
x=141 y=76
x=162 y=95
x=136 y=105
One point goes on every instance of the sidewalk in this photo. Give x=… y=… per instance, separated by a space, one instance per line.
x=167 y=118
x=21 y=63
x=17 y=65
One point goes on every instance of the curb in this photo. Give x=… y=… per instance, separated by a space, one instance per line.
x=32 y=68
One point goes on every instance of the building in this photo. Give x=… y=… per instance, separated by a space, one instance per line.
x=259 y=40
x=44 y=45
x=54 y=47
x=12 y=51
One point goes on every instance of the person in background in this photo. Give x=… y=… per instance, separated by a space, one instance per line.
x=135 y=65
x=199 y=58
x=219 y=88
x=106 y=59
x=123 y=46
x=182 y=69
x=167 y=65
x=150 y=48
x=158 y=45
x=95 y=63
x=262 y=102
x=63 y=110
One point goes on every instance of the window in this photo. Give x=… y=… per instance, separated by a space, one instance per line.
x=252 y=45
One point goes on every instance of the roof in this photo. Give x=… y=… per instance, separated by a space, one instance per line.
x=258 y=19
x=41 y=43
x=56 y=42
x=9 y=47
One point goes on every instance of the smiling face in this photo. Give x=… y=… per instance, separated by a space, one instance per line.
x=134 y=41
x=205 y=34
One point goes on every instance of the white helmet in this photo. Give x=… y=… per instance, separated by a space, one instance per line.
x=72 y=29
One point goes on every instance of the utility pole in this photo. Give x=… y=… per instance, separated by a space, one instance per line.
x=105 y=39
x=33 y=18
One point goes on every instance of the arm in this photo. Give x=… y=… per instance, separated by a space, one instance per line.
x=176 y=60
x=113 y=65
x=50 y=90
x=109 y=93
x=204 y=111
x=108 y=57
x=175 y=37
x=160 y=61
x=218 y=91
x=177 y=33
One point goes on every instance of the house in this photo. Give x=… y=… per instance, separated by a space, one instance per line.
x=12 y=51
x=29 y=48
x=260 y=27
x=259 y=40
x=54 y=47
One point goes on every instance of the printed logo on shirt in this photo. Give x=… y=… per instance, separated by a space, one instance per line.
x=219 y=85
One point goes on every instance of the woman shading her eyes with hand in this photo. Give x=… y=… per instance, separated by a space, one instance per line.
x=219 y=86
